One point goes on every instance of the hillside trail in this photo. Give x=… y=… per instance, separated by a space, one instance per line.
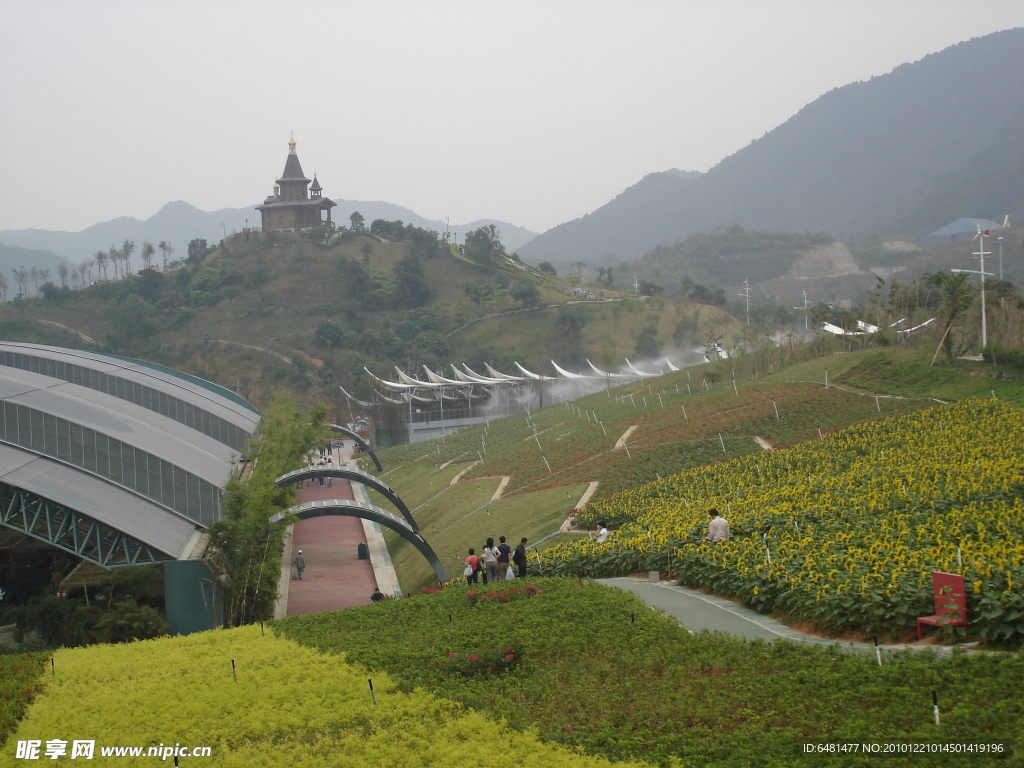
x=698 y=612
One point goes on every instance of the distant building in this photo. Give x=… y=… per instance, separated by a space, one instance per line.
x=958 y=231
x=295 y=205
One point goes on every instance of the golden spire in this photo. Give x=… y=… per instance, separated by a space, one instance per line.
x=291 y=145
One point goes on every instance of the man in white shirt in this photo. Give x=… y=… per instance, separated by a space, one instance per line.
x=602 y=532
x=718 y=527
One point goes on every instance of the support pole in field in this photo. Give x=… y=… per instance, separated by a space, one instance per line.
x=687 y=418
x=878 y=651
x=776 y=406
x=722 y=442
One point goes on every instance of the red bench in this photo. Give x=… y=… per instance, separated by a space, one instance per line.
x=950 y=603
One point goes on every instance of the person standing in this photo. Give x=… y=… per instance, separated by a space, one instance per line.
x=300 y=565
x=491 y=562
x=504 y=559
x=718 y=527
x=519 y=558
x=472 y=566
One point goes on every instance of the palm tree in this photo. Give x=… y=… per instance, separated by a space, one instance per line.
x=85 y=270
x=115 y=259
x=127 y=249
x=147 y=255
x=101 y=263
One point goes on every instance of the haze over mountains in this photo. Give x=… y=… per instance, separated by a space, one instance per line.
x=903 y=153
x=178 y=222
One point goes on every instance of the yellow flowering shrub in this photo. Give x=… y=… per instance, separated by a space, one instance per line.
x=289 y=705
x=842 y=531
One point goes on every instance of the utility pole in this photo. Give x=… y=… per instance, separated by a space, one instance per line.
x=746 y=292
x=806 y=310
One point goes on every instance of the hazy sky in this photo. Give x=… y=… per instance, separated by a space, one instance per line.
x=530 y=112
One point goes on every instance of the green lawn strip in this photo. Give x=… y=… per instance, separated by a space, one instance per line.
x=435 y=520
x=464 y=516
x=600 y=671
x=21 y=678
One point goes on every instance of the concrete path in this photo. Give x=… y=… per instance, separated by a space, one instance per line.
x=696 y=612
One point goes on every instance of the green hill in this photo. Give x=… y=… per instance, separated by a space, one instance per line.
x=282 y=311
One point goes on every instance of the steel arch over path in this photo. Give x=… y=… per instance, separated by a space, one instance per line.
x=309 y=473
x=350 y=508
x=363 y=446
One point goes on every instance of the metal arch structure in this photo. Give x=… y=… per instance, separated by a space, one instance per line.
x=308 y=473
x=70 y=530
x=363 y=446
x=350 y=508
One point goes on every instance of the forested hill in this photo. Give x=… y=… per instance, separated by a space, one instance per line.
x=902 y=153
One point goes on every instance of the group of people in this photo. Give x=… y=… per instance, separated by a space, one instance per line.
x=495 y=563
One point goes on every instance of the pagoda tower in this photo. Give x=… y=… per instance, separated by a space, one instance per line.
x=295 y=205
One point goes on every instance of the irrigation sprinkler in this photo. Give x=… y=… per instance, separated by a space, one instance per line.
x=935 y=706
x=722 y=441
x=628 y=454
x=776 y=406
x=660 y=400
x=687 y=418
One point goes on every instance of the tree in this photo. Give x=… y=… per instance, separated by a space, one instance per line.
x=127 y=249
x=101 y=263
x=114 y=256
x=647 y=344
x=166 y=249
x=570 y=320
x=329 y=333
x=131 y=320
x=525 y=292
x=3 y=289
x=147 y=255
x=409 y=288
x=358 y=221
x=957 y=295
x=367 y=251
x=484 y=244
x=34 y=274
x=21 y=277
x=196 y=251
x=247 y=547
x=85 y=270
x=62 y=272
x=546 y=268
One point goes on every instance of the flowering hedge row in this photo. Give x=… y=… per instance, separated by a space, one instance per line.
x=20 y=681
x=842 y=531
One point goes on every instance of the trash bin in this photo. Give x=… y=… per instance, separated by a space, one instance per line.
x=363 y=551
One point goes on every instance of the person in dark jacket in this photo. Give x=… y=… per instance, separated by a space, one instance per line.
x=519 y=558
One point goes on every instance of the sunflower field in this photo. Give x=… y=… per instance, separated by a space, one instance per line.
x=842 y=532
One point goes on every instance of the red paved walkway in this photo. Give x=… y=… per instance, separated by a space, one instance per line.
x=335 y=577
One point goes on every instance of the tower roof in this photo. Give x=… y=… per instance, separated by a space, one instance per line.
x=316 y=185
x=292 y=167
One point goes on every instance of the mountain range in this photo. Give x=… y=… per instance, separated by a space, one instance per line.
x=902 y=153
x=178 y=223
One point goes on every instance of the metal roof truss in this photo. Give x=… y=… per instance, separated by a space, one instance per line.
x=72 y=531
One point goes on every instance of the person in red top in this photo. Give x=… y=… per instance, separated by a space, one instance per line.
x=472 y=566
